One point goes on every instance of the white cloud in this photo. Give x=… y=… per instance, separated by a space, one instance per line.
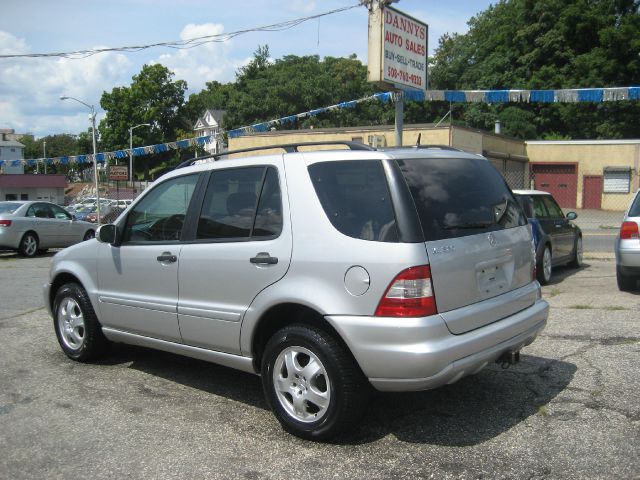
x=204 y=63
x=30 y=88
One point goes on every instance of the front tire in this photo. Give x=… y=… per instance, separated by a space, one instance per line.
x=625 y=282
x=28 y=245
x=544 y=267
x=312 y=383
x=77 y=328
x=578 y=254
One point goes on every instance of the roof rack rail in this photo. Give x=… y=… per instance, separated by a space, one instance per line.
x=287 y=147
x=441 y=147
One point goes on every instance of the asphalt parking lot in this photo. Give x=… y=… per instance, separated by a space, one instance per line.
x=570 y=409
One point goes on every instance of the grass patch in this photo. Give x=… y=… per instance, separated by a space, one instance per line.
x=543 y=411
x=581 y=307
x=616 y=307
x=553 y=292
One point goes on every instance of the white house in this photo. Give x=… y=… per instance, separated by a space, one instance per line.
x=210 y=123
x=10 y=149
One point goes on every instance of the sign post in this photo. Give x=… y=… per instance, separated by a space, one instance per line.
x=397 y=54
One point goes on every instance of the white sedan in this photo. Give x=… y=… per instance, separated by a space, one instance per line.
x=34 y=226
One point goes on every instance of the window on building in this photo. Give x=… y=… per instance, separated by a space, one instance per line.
x=24 y=196
x=617 y=179
x=11 y=196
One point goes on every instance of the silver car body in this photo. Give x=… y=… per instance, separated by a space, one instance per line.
x=628 y=250
x=211 y=302
x=54 y=226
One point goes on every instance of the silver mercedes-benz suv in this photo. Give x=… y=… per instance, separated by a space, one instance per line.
x=325 y=272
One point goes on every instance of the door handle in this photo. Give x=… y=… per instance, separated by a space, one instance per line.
x=263 y=258
x=167 y=257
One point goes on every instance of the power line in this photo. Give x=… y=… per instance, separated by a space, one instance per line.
x=183 y=44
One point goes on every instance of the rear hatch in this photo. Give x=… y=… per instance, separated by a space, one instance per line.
x=477 y=238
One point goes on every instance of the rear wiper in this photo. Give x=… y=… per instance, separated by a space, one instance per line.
x=468 y=225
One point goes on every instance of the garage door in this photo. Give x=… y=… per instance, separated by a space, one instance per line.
x=561 y=181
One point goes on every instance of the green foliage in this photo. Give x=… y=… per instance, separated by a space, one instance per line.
x=154 y=98
x=547 y=44
x=266 y=89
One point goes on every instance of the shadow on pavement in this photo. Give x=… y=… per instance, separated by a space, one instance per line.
x=469 y=412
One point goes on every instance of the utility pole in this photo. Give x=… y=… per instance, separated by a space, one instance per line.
x=399 y=97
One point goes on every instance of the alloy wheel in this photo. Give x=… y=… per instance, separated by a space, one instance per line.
x=301 y=383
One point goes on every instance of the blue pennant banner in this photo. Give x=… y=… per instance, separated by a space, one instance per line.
x=591 y=95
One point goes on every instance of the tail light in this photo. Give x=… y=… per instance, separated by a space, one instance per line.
x=5 y=223
x=629 y=231
x=410 y=294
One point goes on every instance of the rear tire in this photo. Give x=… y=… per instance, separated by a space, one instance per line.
x=28 y=245
x=89 y=235
x=312 y=384
x=544 y=268
x=625 y=282
x=77 y=328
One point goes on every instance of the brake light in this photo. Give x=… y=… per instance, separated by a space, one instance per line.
x=629 y=231
x=5 y=223
x=410 y=294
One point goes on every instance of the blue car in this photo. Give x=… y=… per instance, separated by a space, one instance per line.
x=557 y=240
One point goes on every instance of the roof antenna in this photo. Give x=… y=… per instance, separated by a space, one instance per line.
x=418 y=142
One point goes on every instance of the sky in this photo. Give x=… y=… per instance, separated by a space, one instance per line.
x=30 y=88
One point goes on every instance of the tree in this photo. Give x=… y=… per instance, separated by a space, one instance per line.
x=154 y=98
x=547 y=44
x=266 y=90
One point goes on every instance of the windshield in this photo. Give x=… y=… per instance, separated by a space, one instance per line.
x=456 y=197
x=9 y=207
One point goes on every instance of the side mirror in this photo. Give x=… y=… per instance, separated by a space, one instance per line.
x=572 y=216
x=73 y=218
x=108 y=234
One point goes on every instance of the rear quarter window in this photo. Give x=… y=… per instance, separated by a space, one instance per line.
x=634 y=211
x=355 y=197
x=456 y=197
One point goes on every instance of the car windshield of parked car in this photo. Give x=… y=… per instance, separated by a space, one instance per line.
x=9 y=207
x=455 y=196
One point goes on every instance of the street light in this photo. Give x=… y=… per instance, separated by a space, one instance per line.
x=95 y=162
x=131 y=151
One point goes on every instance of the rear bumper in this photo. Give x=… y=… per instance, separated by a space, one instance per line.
x=628 y=257
x=420 y=353
x=10 y=237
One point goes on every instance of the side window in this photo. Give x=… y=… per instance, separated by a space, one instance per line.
x=39 y=210
x=269 y=217
x=229 y=208
x=59 y=213
x=539 y=209
x=159 y=216
x=554 y=210
x=355 y=197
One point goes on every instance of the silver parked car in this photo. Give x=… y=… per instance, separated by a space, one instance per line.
x=326 y=272
x=30 y=227
x=627 y=247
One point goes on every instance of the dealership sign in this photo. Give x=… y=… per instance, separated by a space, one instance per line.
x=397 y=49
x=118 y=172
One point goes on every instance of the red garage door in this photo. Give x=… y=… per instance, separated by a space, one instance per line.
x=561 y=181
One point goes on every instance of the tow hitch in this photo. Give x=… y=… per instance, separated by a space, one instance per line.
x=509 y=358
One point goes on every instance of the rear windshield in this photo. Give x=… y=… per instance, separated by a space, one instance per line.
x=9 y=207
x=355 y=198
x=634 y=211
x=456 y=197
